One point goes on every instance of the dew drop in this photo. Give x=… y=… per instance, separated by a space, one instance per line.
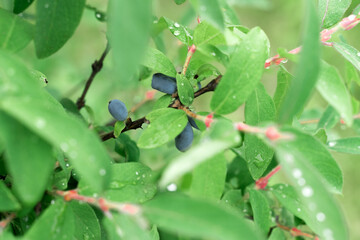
x=137 y=173
x=214 y=54
x=40 y=123
x=171 y=187
x=64 y=147
x=332 y=144
x=307 y=191
x=301 y=182
x=52 y=202
x=177 y=33
x=299 y=209
x=320 y=217
x=102 y=172
x=328 y=234
x=143 y=175
x=46 y=5
x=358 y=54
x=176 y=25
x=297 y=173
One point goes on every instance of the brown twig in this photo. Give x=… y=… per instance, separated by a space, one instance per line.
x=130 y=125
x=96 y=67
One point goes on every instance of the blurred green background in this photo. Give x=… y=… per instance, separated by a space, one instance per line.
x=68 y=69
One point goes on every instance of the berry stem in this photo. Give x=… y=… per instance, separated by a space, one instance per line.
x=6 y=221
x=190 y=53
x=262 y=182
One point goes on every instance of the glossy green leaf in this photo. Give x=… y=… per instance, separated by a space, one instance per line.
x=36 y=156
x=210 y=11
x=157 y=61
x=345 y=145
x=179 y=31
x=196 y=218
x=329 y=118
x=332 y=88
x=289 y=198
x=87 y=224
x=179 y=2
x=259 y=108
x=326 y=219
x=349 y=53
x=221 y=137
x=243 y=73
x=124 y=227
x=317 y=157
x=56 y=22
x=185 y=89
x=16 y=33
x=233 y=199
x=21 y=5
x=130 y=182
x=57 y=222
x=128 y=148
x=282 y=87
x=277 y=234
x=238 y=174
x=7 y=199
x=208 y=178
x=163 y=102
x=163 y=129
x=321 y=135
x=118 y=127
x=261 y=210
x=307 y=71
x=129 y=24
x=229 y=13
x=332 y=11
x=206 y=34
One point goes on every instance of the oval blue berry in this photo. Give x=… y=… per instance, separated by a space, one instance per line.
x=193 y=123
x=118 y=110
x=184 y=140
x=163 y=83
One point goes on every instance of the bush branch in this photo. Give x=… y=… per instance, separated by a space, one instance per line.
x=96 y=67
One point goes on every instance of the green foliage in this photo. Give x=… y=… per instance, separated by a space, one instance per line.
x=68 y=171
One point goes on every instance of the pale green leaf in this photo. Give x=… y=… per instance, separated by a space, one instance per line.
x=243 y=73
x=157 y=61
x=345 y=145
x=7 y=199
x=56 y=22
x=261 y=210
x=185 y=89
x=118 y=127
x=307 y=70
x=331 y=11
x=349 y=53
x=282 y=87
x=210 y=11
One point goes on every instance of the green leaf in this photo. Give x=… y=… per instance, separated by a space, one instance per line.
x=277 y=234
x=317 y=157
x=208 y=178
x=261 y=210
x=233 y=199
x=307 y=71
x=7 y=199
x=321 y=135
x=259 y=108
x=163 y=102
x=243 y=73
x=126 y=147
x=124 y=227
x=349 y=53
x=179 y=31
x=130 y=182
x=118 y=127
x=222 y=137
x=129 y=26
x=230 y=17
x=351 y=74
x=283 y=83
x=332 y=11
x=329 y=118
x=164 y=128
x=206 y=34
x=157 y=61
x=332 y=88
x=210 y=11
x=21 y=5
x=16 y=33
x=185 y=90
x=57 y=222
x=56 y=21
x=326 y=218
x=87 y=224
x=179 y=2
x=288 y=198
x=197 y=218
x=36 y=156
x=345 y=145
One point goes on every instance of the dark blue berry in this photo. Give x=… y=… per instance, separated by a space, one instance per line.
x=184 y=140
x=118 y=110
x=193 y=123
x=163 y=83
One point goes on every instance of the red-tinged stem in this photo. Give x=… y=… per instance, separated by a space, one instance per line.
x=263 y=182
x=191 y=52
x=6 y=221
x=295 y=232
x=342 y=121
x=325 y=35
x=102 y=203
x=198 y=19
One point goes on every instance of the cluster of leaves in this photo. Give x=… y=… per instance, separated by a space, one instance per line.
x=206 y=193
